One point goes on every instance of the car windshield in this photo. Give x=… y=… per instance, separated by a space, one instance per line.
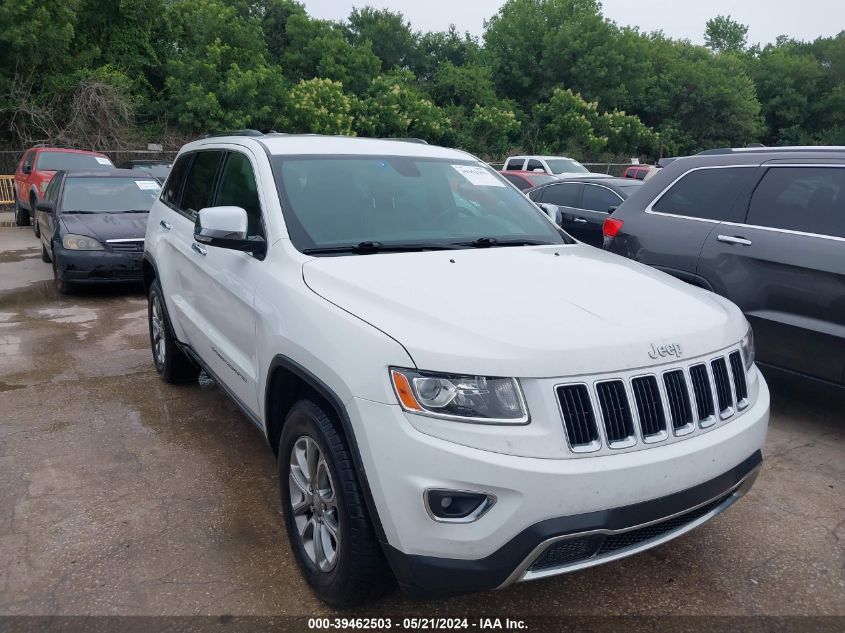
x=109 y=195
x=566 y=166
x=389 y=201
x=158 y=170
x=55 y=161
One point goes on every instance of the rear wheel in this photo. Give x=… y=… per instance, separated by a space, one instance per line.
x=45 y=256
x=325 y=516
x=171 y=363
x=21 y=215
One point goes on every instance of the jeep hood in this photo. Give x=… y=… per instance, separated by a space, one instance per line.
x=526 y=311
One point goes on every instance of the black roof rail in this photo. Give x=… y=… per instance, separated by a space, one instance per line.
x=234 y=133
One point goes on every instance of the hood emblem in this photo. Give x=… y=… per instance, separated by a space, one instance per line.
x=662 y=351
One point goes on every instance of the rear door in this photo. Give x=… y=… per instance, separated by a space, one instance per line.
x=567 y=197
x=586 y=223
x=785 y=267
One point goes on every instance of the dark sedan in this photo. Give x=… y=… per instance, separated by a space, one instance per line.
x=93 y=225
x=585 y=203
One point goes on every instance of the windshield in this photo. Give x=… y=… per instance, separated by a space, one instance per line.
x=566 y=166
x=346 y=200
x=55 y=161
x=109 y=195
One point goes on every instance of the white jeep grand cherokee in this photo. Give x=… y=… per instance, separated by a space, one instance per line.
x=461 y=396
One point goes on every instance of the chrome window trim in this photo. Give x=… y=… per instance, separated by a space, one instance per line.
x=650 y=208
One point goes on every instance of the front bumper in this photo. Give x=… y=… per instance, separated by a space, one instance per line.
x=537 y=499
x=99 y=266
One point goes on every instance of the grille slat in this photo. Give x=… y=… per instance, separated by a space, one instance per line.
x=703 y=394
x=127 y=247
x=680 y=408
x=740 y=384
x=723 y=385
x=649 y=405
x=578 y=416
x=616 y=413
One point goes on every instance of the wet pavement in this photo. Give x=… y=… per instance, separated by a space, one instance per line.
x=120 y=494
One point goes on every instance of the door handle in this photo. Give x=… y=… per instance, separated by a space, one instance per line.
x=198 y=249
x=579 y=220
x=733 y=239
x=165 y=225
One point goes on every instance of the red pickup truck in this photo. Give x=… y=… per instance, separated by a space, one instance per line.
x=37 y=167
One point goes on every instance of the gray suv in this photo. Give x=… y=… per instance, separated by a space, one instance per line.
x=764 y=227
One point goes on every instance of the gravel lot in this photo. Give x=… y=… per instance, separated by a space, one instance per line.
x=120 y=494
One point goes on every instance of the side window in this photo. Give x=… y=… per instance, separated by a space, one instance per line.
x=515 y=164
x=27 y=159
x=565 y=195
x=199 y=184
x=52 y=193
x=808 y=199
x=597 y=198
x=517 y=181
x=535 y=164
x=173 y=188
x=705 y=193
x=239 y=189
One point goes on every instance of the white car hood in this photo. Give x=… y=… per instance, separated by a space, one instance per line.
x=526 y=311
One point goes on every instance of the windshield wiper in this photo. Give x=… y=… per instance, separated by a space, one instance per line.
x=487 y=242
x=365 y=248
x=133 y=211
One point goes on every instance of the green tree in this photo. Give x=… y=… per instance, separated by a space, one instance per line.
x=722 y=34
x=437 y=47
x=395 y=107
x=318 y=106
x=388 y=33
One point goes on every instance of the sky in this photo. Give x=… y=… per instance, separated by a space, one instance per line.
x=679 y=19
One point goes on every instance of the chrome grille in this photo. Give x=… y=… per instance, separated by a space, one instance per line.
x=649 y=407
x=578 y=417
x=619 y=412
x=615 y=411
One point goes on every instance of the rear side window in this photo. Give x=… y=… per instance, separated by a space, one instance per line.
x=51 y=195
x=518 y=181
x=597 y=198
x=27 y=159
x=807 y=199
x=239 y=189
x=705 y=193
x=515 y=164
x=173 y=187
x=199 y=185
x=565 y=195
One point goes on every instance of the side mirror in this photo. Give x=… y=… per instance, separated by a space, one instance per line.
x=226 y=227
x=46 y=207
x=553 y=211
x=27 y=169
x=539 y=170
x=613 y=208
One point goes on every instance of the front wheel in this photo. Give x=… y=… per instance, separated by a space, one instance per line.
x=62 y=285
x=325 y=516
x=171 y=363
x=21 y=215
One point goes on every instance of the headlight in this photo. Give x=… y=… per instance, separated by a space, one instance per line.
x=81 y=243
x=747 y=345
x=477 y=399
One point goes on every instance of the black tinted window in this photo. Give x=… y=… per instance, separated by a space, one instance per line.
x=535 y=164
x=519 y=181
x=705 y=193
x=808 y=199
x=51 y=195
x=173 y=186
x=564 y=195
x=199 y=185
x=515 y=164
x=597 y=198
x=239 y=189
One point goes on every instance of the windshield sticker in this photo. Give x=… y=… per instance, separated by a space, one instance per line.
x=478 y=176
x=147 y=184
x=102 y=161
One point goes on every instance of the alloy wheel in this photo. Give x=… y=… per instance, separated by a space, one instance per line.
x=314 y=503
x=157 y=323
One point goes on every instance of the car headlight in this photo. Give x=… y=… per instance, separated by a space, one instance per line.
x=80 y=243
x=478 y=399
x=747 y=345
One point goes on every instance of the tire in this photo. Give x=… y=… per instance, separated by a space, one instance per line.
x=35 y=228
x=45 y=255
x=21 y=215
x=170 y=361
x=62 y=285
x=350 y=568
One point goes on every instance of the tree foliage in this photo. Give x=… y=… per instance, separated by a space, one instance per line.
x=722 y=34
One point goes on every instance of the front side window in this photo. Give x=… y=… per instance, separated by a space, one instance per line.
x=27 y=159
x=597 y=198
x=51 y=195
x=535 y=164
x=705 y=193
x=350 y=200
x=239 y=189
x=55 y=161
x=806 y=199
x=199 y=184
x=566 y=166
x=563 y=195
x=109 y=195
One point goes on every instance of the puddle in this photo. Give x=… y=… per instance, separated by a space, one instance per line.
x=72 y=314
x=7 y=387
x=9 y=257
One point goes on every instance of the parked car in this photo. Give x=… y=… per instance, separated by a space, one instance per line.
x=93 y=225
x=585 y=204
x=764 y=227
x=559 y=166
x=523 y=180
x=459 y=394
x=37 y=167
x=638 y=172
x=158 y=169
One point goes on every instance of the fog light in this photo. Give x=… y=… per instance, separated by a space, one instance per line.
x=457 y=506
